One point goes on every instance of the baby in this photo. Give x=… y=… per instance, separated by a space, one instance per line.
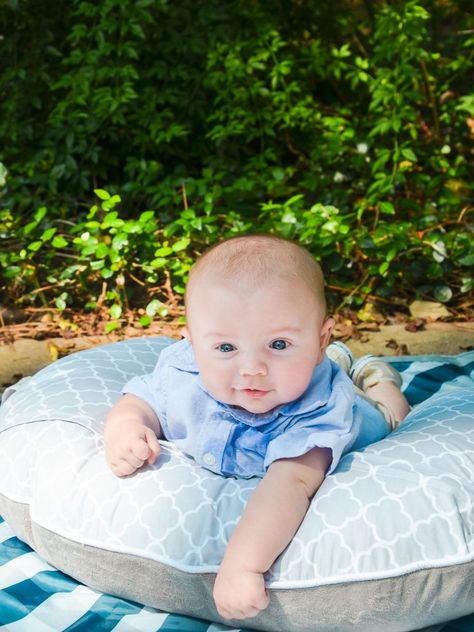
x=249 y=392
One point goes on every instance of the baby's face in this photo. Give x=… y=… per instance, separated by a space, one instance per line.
x=256 y=349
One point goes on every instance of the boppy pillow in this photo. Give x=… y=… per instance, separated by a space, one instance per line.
x=388 y=541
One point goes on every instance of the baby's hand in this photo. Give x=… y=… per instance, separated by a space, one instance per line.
x=239 y=593
x=128 y=445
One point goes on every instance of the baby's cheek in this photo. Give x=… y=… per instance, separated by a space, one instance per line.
x=297 y=381
x=215 y=385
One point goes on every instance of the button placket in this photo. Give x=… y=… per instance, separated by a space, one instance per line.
x=209 y=459
x=212 y=441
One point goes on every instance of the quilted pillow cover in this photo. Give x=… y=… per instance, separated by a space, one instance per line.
x=387 y=542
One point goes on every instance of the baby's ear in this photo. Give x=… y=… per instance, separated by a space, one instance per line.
x=325 y=334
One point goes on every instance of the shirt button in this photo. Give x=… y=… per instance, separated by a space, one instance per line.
x=209 y=458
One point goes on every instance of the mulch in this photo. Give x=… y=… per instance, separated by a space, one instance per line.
x=44 y=323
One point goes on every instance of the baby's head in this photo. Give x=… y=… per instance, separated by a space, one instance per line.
x=251 y=262
x=256 y=317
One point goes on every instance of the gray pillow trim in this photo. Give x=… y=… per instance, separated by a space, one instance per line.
x=391 y=604
x=333 y=580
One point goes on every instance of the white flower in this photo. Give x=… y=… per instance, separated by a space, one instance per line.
x=362 y=148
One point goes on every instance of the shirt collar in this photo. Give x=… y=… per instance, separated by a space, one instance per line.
x=182 y=356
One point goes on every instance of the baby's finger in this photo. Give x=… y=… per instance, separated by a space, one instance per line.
x=153 y=444
x=237 y=612
x=133 y=460
x=140 y=449
x=262 y=602
x=122 y=468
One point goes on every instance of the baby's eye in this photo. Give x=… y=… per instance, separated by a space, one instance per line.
x=279 y=345
x=226 y=347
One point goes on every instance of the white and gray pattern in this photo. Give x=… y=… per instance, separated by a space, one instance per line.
x=401 y=505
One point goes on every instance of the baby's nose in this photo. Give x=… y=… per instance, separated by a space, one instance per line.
x=252 y=365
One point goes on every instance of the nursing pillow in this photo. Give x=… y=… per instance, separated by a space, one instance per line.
x=388 y=541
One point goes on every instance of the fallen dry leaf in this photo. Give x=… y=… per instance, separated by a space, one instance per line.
x=53 y=351
x=400 y=350
x=368 y=327
x=343 y=329
x=368 y=314
x=415 y=325
x=428 y=310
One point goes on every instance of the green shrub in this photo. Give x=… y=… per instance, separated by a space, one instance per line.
x=344 y=125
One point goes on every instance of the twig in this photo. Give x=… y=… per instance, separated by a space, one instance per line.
x=185 y=197
x=103 y=292
x=46 y=287
x=372 y=297
x=352 y=292
x=136 y=280
x=169 y=291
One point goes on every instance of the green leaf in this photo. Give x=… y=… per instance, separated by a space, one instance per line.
x=164 y=251
x=102 y=194
x=111 y=326
x=48 y=233
x=288 y=218
x=40 y=213
x=467 y=260
x=159 y=262
x=119 y=241
x=383 y=268
x=409 y=154
x=60 y=302
x=102 y=251
x=467 y=284
x=278 y=174
x=115 y=311
x=153 y=307
x=294 y=199
x=387 y=208
x=35 y=246
x=181 y=244
x=59 y=242
x=146 y=216
x=443 y=293
x=3 y=175
x=145 y=321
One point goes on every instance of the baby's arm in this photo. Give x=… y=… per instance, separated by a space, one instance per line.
x=131 y=435
x=271 y=519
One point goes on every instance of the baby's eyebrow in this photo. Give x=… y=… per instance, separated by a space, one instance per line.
x=216 y=334
x=285 y=329
x=276 y=331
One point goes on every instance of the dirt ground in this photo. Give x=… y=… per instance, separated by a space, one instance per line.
x=23 y=356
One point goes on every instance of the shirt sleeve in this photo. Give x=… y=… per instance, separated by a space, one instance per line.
x=154 y=388
x=151 y=389
x=334 y=426
x=143 y=386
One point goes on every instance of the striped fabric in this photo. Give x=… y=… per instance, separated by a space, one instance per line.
x=35 y=597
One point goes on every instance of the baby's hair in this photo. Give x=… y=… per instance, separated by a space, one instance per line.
x=251 y=260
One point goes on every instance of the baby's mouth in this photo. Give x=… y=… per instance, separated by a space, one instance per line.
x=254 y=392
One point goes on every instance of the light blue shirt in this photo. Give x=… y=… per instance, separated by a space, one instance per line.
x=234 y=442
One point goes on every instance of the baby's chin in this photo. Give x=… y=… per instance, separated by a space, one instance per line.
x=256 y=407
